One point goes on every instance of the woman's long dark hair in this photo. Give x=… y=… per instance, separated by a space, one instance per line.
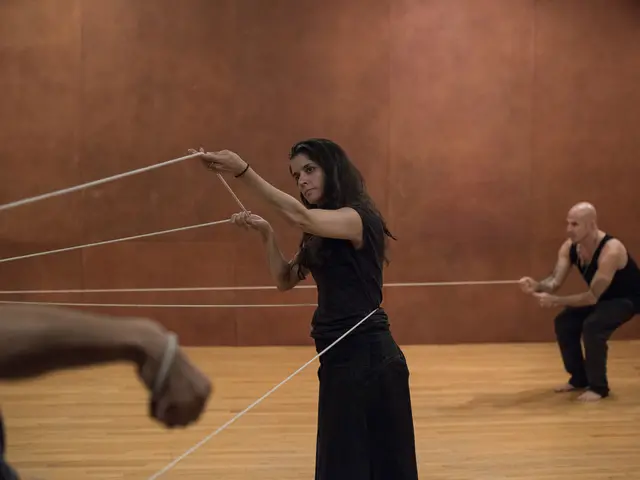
x=344 y=185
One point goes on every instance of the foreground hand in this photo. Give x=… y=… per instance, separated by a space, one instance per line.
x=248 y=220
x=547 y=300
x=224 y=161
x=528 y=285
x=186 y=389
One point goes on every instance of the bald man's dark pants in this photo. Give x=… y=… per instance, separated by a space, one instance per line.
x=593 y=324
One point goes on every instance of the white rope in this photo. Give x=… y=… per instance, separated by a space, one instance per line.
x=460 y=283
x=220 y=429
x=224 y=182
x=60 y=192
x=144 y=235
x=161 y=305
x=249 y=287
x=25 y=201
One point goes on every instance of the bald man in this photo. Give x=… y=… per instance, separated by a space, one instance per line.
x=611 y=299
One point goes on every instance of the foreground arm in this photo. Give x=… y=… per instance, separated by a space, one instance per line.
x=35 y=341
x=610 y=260
x=38 y=340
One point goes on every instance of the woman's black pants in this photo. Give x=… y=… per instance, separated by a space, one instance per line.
x=365 y=422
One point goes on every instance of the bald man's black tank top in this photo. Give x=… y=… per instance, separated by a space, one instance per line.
x=625 y=283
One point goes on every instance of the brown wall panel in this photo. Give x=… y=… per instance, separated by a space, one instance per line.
x=158 y=79
x=39 y=108
x=460 y=130
x=454 y=314
x=585 y=145
x=274 y=326
x=313 y=70
x=476 y=124
x=59 y=271
x=160 y=264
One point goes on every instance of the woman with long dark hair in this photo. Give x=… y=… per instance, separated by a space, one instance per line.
x=365 y=422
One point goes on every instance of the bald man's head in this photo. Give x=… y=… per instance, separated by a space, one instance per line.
x=584 y=210
x=582 y=221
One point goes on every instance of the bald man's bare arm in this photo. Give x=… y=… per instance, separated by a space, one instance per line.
x=38 y=340
x=612 y=258
x=563 y=264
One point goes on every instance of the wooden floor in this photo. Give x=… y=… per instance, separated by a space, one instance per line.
x=482 y=412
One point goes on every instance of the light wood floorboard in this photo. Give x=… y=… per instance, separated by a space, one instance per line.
x=482 y=412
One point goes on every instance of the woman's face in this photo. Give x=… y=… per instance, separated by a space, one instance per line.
x=309 y=178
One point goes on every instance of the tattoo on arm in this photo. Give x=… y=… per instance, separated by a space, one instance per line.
x=549 y=284
x=560 y=270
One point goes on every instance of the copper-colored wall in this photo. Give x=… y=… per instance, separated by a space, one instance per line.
x=459 y=113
